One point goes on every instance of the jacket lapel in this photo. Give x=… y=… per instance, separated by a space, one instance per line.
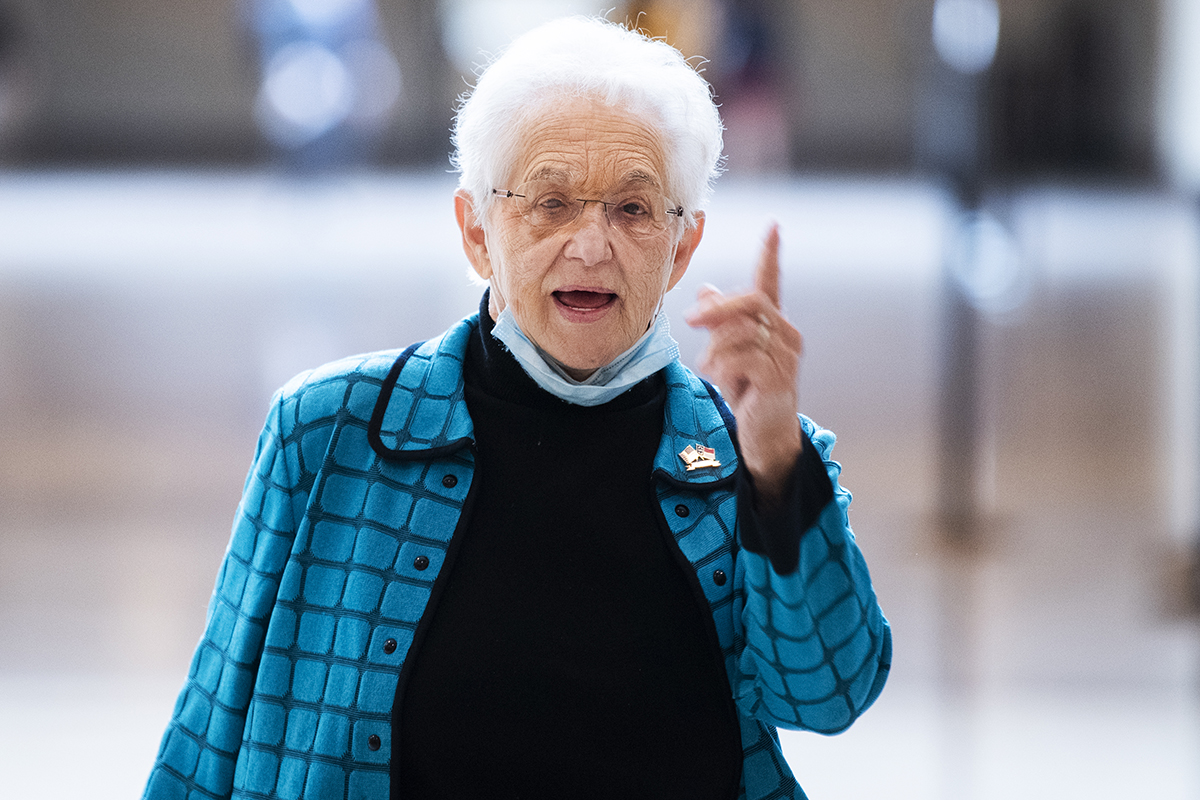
x=694 y=420
x=422 y=410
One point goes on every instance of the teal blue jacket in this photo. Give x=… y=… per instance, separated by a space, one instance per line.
x=361 y=480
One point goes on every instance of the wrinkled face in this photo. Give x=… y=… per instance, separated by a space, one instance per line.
x=587 y=289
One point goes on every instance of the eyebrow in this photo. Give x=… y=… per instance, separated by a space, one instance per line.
x=549 y=173
x=636 y=176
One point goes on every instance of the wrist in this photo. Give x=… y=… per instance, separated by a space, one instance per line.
x=771 y=472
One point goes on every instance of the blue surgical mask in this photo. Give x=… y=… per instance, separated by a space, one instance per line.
x=653 y=351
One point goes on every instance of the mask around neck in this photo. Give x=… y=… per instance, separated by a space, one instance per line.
x=653 y=351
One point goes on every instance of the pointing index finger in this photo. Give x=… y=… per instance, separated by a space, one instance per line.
x=766 y=276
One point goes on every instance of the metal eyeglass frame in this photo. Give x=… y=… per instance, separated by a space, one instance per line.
x=677 y=211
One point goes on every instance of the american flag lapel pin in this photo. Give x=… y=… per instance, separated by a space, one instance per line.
x=699 y=457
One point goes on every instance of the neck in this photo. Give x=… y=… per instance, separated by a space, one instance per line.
x=577 y=374
x=502 y=376
x=655 y=350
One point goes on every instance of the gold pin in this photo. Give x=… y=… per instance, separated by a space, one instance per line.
x=699 y=457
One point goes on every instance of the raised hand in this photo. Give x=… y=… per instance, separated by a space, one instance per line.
x=753 y=355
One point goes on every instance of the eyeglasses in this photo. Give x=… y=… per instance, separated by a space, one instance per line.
x=638 y=211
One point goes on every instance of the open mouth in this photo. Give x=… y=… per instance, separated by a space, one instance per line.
x=583 y=300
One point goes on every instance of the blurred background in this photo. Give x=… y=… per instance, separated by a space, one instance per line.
x=989 y=216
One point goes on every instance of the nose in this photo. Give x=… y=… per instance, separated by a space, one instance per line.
x=588 y=240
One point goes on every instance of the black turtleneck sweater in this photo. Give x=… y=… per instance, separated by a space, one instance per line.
x=569 y=653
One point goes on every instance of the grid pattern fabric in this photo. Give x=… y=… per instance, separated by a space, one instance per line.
x=810 y=650
x=336 y=548
x=332 y=560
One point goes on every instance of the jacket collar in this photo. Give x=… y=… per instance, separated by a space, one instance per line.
x=695 y=417
x=421 y=413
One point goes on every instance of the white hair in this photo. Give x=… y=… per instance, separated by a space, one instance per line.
x=595 y=58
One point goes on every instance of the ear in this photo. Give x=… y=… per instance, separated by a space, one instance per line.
x=473 y=238
x=684 y=250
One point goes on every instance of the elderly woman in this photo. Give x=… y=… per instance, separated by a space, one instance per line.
x=537 y=557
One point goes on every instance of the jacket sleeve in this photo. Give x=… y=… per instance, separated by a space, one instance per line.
x=200 y=747
x=817 y=648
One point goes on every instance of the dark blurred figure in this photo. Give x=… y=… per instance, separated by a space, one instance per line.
x=16 y=84
x=742 y=37
x=949 y=141
x=951 y=112
x=329 y=82
x=1060 y=106
x=753 y=100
